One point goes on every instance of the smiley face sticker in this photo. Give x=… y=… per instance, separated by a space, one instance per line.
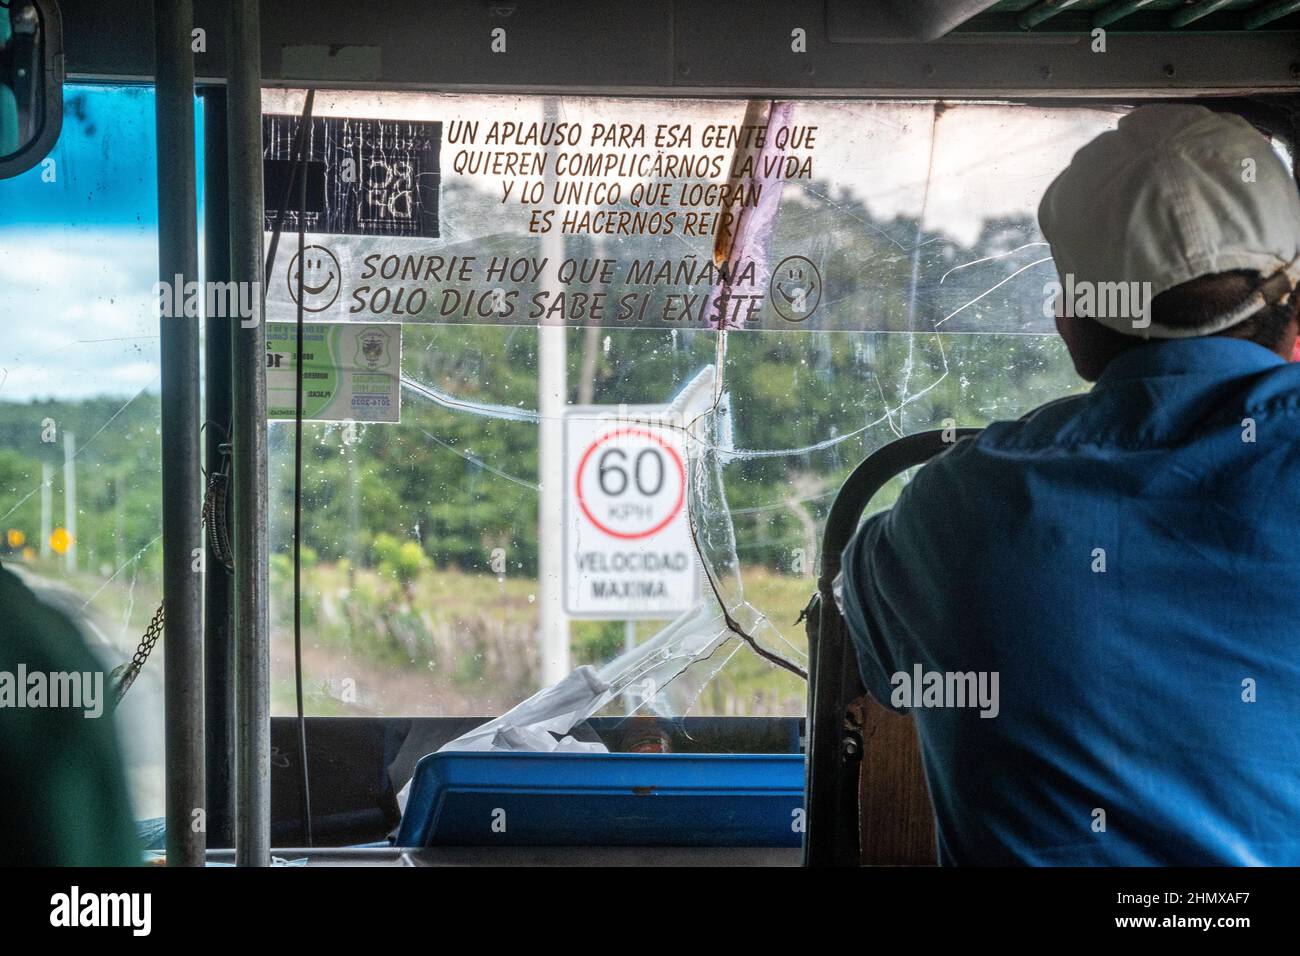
x=796 y=288
x=321 y=279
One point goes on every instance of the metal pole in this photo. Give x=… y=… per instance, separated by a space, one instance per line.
x=1258 y=16
x=1044 y=11
x=181 y=483
x=47 y=507
x=248 y=355
x=219 y=585
x=553 y=624
x=70 y=499
x=119 y=522
x=1190 y=14
x=1116 y=11
x=552 y=400
x=630 y=702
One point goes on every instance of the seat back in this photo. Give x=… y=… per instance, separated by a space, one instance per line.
x=866 y=796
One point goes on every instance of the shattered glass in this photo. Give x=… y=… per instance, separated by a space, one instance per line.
x=918 y=221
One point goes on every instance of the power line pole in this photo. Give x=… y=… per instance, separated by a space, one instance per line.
x=70 y=498
x=47 y=507
x=552 y=388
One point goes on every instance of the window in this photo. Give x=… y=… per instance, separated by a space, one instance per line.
x=913 y=295
x=80 y=507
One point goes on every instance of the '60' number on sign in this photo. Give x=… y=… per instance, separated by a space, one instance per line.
x=631 y=483
x=615 y=472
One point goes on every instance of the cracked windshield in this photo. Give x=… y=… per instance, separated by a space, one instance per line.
x=581 y=379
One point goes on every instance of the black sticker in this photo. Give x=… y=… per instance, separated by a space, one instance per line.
x=279 y=189
x=366 y=177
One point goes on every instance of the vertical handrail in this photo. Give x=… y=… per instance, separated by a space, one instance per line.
x=218 y=584
x=248 y=356
x=181 y=484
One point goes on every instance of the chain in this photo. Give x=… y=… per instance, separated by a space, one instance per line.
x=214 y=512
x=124 y=675
x=151 y=635
x=214 y=520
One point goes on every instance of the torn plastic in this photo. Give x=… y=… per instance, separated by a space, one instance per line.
x=666 y=674
x=543 y=721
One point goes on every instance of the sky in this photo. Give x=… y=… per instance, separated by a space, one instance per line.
x=80 y=254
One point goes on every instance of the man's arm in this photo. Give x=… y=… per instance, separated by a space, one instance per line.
x=859 y=601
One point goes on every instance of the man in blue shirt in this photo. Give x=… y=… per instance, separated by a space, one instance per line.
x=1093 y=613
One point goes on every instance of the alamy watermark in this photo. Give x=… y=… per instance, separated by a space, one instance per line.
x=71 y=690
x=216 y=300
x=922 y=688
x=1099 y=300
x=75 y=909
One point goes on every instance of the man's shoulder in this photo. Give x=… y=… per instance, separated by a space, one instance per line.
x=1275 y=391
x=33 y=631
x=1037 y=428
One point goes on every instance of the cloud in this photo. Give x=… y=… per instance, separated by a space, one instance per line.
x=80 y=312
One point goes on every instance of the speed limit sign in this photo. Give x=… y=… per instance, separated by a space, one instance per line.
x=628 y=542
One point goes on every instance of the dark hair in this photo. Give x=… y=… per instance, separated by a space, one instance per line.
x=1199 y=300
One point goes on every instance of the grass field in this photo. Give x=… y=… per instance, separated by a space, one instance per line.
x=447 y=643
x=453 y=643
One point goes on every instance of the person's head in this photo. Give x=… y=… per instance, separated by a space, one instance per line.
x=1180 y=223
x=1191 y=305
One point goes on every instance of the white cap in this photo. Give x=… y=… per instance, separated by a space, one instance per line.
x=1175 y=192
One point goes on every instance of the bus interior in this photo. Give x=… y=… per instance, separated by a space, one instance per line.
x=615 y=318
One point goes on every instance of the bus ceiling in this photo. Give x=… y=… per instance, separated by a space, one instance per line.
x=805 y=48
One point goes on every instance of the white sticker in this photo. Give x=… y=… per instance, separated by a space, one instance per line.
x=351 y=371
